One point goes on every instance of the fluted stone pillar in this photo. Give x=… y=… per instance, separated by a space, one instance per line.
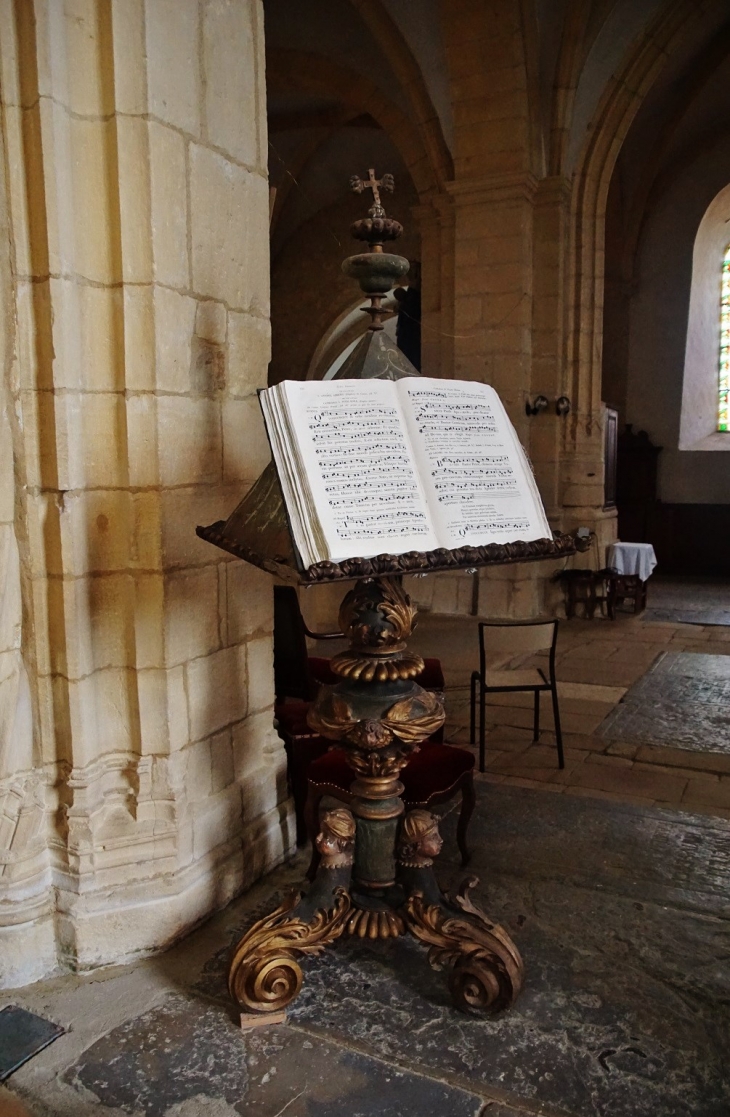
x=142 y=782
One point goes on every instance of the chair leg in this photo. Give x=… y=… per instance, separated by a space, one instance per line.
x=473 y=707
x=536 y=718
x=468 y=800
x=311 y=818
x=558 y=732
x=482 y=726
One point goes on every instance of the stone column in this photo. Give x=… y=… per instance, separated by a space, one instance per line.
x=26 y=896
x=138 y=278
x=436 y=228
x=550 y=433
x=493 y=285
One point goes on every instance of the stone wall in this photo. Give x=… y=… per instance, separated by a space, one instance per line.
x=673 y=333
x=142 y=783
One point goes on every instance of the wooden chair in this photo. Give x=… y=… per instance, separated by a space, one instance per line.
x=297 y=678
x=625 y=587
x=527 y=636
x=435 y=774
x=295 y=671
x=589 y=588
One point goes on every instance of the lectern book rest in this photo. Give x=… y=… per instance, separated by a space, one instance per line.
x=411 y=465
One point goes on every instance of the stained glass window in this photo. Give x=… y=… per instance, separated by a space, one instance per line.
x=723 y=413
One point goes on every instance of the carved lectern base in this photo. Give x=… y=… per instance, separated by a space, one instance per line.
x=486 y=968
x=375 y=878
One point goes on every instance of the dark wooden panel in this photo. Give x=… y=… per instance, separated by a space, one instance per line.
x=610 y=447
x=691 y=538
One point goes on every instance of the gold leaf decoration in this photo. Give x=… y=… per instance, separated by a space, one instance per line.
x=487 y=968
x=265 y=975
x=410 y=726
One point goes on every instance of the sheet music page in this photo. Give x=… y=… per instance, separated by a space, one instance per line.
x=357 y=459
x=478 y=480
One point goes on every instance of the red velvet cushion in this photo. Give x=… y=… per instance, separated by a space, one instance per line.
x=321 y=672
x=292 y=717
x=432 y=771
x=432 y=677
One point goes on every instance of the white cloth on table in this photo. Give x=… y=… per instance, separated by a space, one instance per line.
x=632 y=558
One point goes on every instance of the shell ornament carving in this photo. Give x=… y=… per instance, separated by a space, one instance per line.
x=265 y=975
x=487 y=968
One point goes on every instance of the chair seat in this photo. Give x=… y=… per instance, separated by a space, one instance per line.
x=432 y=677
x=291 y=717
x=528 y=677
x=321 y=672
x=433 y=771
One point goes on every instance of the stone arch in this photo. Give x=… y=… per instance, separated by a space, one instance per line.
x=698 y=428
x=400 y=57
x=684 y=95
x=300 y=71
x=571 y=57
x=618 y=105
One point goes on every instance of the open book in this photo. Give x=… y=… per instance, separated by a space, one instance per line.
x=375 y=466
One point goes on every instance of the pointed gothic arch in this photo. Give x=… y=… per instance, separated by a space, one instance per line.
x=704 y=417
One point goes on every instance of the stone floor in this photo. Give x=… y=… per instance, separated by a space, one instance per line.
x=683 y=700
x=623 y=919
x=598 y=662
x=690 y=600
x=616 y=887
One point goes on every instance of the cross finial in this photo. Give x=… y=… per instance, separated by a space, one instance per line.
x=375 y=269
x=387 y=182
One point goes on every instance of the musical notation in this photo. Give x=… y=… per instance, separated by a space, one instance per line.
x=366 y=470
x=384 y=498
x=382 y=487
x=473 y=471
x=374 y=445
x=344 y=415
x=476 y=485
x=466 y=460
x=474 y=477
x=372 y=466
x=497 y=526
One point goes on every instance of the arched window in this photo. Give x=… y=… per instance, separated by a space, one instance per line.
x=705 y=419
x=723 y=410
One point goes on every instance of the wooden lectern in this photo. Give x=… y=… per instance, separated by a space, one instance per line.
x=375 y=876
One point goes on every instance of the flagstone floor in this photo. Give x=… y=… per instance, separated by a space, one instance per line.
x=598 y=662
x=615 y=886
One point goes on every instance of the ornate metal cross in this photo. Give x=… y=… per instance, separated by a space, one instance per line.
x=387 y=182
